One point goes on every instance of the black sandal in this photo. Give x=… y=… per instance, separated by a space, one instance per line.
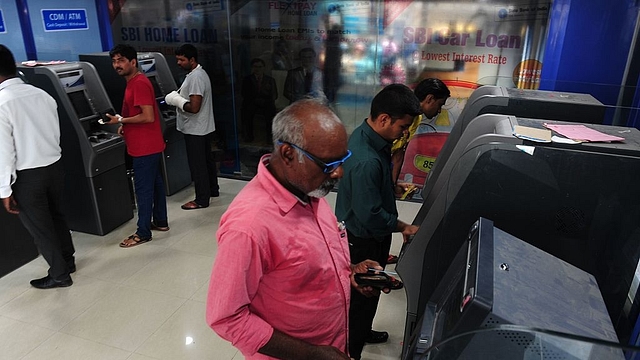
x=137 y=240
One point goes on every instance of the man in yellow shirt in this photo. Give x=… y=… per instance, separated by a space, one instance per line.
x=432 y=94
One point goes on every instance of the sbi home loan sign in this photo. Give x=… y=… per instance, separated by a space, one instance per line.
x=65 y=19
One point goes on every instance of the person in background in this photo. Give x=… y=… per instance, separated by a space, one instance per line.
x=280 y=58
x=282 y=279
x=259 y=93
x=194 y=107
x=332 y=69
x=366 y=199
x=140 y=127
x=31 y=173
x=305 y=81
x=432 y=94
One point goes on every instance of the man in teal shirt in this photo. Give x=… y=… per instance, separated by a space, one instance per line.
x=366 y=199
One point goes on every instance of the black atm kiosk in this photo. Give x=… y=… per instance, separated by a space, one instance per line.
x=489 y=284
x=96 y=194
x=16 y=244
x=538 y=104
x=577 y=202
x=175 y=168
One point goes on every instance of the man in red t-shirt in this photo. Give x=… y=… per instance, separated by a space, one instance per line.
x=140 y=127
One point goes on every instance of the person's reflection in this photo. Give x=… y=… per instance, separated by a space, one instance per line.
x=281 y=59
x=333 y=57
x=259 y=93
x=304 y=81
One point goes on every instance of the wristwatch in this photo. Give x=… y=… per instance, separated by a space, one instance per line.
x=119 y=118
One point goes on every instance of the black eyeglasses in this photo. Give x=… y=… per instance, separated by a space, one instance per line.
x=326 y=168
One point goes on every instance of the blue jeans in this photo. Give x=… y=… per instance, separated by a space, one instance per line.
x=150 y=194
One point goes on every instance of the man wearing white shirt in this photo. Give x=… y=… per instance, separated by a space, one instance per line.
x=194 y=107
x=31 y=174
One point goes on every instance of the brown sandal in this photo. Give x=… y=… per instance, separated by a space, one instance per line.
x=192 y=205
x=135 y=240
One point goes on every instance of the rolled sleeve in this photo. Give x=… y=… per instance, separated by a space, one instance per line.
x=235 y=278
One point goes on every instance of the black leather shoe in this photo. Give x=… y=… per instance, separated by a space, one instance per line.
x=49 y=283
x=377 y=337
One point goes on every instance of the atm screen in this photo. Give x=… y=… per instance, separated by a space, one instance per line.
x=156 y=86
x=80 y=104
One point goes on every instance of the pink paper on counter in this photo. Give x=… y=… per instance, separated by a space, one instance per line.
x=581 y=132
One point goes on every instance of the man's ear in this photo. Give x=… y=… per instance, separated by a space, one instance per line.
x=383 y=119
x=287 y=153
x=430 y=98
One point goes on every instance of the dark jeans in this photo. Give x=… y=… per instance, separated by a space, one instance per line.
x=38 y=193
x=202 y=167
x=150 y=194
x=363 y=309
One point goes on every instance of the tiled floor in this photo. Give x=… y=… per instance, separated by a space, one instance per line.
x=146 y=302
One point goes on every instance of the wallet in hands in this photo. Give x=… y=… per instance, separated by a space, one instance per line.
x=378 y=280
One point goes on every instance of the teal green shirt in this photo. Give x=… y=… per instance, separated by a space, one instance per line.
x=366 y=201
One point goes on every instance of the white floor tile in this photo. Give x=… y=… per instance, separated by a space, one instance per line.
x=17 y=339
x=17 y=282
x=173 y=272
x=65 y=347
x=125 y=318
x=115 y=264
x=202 y=242
x=140 y=357
x=201 y=294
x=55 y=308
x=187 y=336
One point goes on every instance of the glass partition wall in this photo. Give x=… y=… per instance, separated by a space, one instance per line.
x=259 y=52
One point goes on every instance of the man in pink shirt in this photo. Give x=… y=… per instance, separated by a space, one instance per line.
x=281 y=281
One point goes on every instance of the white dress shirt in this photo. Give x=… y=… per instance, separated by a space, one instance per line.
x=29 y=131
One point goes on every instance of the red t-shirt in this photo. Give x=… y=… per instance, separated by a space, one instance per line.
x=142 y=138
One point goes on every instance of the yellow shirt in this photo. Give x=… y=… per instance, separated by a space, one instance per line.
x=404 y=140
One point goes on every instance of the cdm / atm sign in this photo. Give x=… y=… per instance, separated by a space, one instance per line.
x=64 y=19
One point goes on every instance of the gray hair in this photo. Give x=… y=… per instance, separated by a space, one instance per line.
x=288 y=124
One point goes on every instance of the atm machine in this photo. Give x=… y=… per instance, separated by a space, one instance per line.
x=577 y=202
x=488 y=287
x=175 y=167
x=96 y=195
x=538 y=104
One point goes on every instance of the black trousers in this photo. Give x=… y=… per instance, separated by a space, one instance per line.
x=202 y=167
x=38 y=193
x=362 y=309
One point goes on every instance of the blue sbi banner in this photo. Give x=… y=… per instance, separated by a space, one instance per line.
x=64 y=19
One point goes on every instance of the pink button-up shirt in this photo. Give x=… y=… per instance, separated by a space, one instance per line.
x=281 y=264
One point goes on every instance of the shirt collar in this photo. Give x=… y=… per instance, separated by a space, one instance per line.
x=194 y=69
x=15 y=80
x=284 y=198
x=378 y=142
